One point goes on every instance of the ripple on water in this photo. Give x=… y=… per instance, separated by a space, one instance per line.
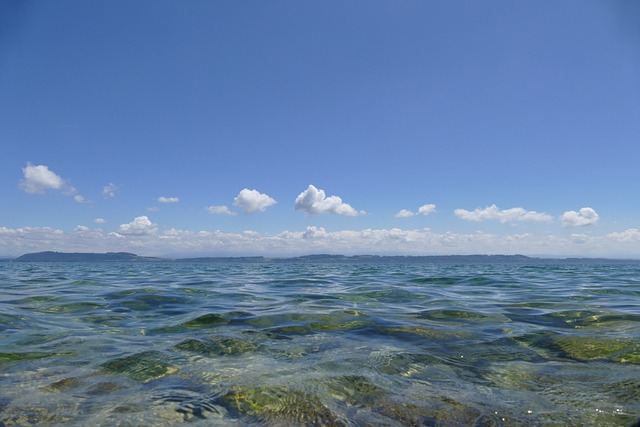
x=319 y=344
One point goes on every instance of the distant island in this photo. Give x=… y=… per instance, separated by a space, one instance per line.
x=51 y=256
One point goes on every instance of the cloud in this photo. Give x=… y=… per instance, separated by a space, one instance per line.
x=584 y=217
x=38 y=179
x=143 y=237
x=163 y=199
x=313 y=201
x=404 y=213
x=626 y=236
x=109 y=190
x=139 y=226
x=100 y=221
x=314 y=233
x=426 y=209
x=422 y=210
x=220 y=210
x=504 y=216
x=251 y=201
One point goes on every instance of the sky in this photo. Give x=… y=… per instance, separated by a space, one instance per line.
x=281 y=128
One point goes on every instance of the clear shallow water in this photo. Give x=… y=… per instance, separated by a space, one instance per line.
x=319 y=344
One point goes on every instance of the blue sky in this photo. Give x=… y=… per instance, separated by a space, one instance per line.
x=288 y=127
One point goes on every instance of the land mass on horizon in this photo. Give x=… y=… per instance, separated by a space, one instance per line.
x=52 y=256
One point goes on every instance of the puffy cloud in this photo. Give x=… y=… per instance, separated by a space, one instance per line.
x=139 y=226
x=100 y=221
x=314 y=201
x=584 y=217
x=220 y=210
x=422 y=210
x=251 y=201
x=426 y=209
x=404 y=213
x=314 y=232
x=38 y=179
x=504 y=216
x=163 y=199
x=109 y=190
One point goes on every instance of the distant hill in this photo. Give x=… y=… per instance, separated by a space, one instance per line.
x=51 y=256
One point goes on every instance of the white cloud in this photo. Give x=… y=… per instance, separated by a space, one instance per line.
x=38 y=179
x=109 y=190
x=422 y=210
x=163 y=199
x=404 y=213
x=314 y=233
x=628 y=235
x=426 y=209
x=100 y=221
x=251 y=201
x=139 y=226
x=220 y=210
x=314 y=201
x=582 y=218
x=504 y=216
x=143 y=237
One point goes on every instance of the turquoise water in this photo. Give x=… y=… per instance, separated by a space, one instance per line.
x=140 y=344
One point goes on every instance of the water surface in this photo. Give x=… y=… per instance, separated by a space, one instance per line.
x=348 y=344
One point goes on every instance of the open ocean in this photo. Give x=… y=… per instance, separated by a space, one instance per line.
x=319 y=344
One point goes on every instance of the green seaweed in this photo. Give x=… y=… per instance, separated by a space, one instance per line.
x=355 y=389
x=216 y=346
x=205 y=321
x=280 y=405
x=144 y=366
x=62 y=385
x=420 y=333
x=586 y=347
x=13 y=356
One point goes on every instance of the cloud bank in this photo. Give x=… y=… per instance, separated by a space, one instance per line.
x=504 y=216
x=144 y=237
x=313 y=201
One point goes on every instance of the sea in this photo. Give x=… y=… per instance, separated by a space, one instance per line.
x=319 y=344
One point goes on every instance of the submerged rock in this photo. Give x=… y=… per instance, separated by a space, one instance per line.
x=280 y=405
x=216 y=346
x=62 y=385
x=586 y=347
x=205 y=321
x=144 y=366
x=354 y=389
